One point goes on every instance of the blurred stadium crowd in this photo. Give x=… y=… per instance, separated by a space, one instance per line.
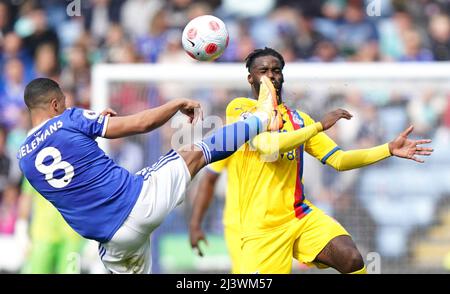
x=38 y=38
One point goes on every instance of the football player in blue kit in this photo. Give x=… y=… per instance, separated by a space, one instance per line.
x=103 y=201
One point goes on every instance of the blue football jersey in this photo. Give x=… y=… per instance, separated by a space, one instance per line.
x=64 y=163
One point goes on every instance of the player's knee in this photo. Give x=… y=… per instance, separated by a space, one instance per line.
x=193 y=158
x=353 y=261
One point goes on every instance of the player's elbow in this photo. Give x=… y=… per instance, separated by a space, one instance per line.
x=340 y=168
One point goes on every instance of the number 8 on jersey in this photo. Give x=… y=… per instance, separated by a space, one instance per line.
x=57 y=164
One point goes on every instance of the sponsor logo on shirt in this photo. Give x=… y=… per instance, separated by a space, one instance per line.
x=297 y=119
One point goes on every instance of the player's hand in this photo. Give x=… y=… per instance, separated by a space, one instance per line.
x=108 y=111
x=407 y=148
x=332 y=117
x=196 y=235
x=192 y=109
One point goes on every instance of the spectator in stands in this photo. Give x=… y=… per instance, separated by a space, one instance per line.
x=174 y=52
x=5 y=161
x=177 y=15
x=355 y=30
x=46 y=61
x=5 y=19
x=367 y=53
x=113 y=45
x=12 y=48
x=325 y=51
x=425 y=110
x=439 y=29
x=137 y=14
x=151 y=45
x=99 y=15
x=76 y=75
x=412 y=42
x=11 y=92
x=390 y=30
x=197 y=9
x=41 y=32
x=16 y=135
x=331 y=12
x=308 y=39
x=8 y=209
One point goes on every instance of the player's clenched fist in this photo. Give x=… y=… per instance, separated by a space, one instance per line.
x=192 y=109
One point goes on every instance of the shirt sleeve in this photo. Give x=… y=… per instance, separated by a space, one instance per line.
x=320 y=146
x=347 y=160
x=275 y=142
x=89 y=122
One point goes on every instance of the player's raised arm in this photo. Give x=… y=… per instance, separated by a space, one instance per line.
x=150 y=119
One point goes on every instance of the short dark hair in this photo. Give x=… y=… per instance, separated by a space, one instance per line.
x=38 y=90
x=262 y=52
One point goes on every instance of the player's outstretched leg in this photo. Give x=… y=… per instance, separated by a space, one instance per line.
x=227 y=140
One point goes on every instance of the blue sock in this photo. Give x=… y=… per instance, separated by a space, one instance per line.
x=225 y=141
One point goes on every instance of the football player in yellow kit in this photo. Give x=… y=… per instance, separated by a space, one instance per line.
x=274 y=221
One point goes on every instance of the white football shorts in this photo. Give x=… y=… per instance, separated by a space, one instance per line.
x=163 y=189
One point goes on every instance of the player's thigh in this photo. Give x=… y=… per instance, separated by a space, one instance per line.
x=163 y=189
x=127 y=252
x=268 y=253
x=233 y=241
x=317 y=231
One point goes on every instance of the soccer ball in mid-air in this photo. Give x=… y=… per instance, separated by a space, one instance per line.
x=205 y=38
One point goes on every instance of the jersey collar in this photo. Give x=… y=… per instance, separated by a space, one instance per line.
x=41 y=124
x=37 y=127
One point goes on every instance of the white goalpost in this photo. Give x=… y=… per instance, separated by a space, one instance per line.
x=235 y=74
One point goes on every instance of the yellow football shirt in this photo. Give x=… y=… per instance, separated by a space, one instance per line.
x=235 y=110
x=270 y=192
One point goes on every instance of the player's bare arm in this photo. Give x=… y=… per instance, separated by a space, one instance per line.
x=201 y=203
x=150 y=119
